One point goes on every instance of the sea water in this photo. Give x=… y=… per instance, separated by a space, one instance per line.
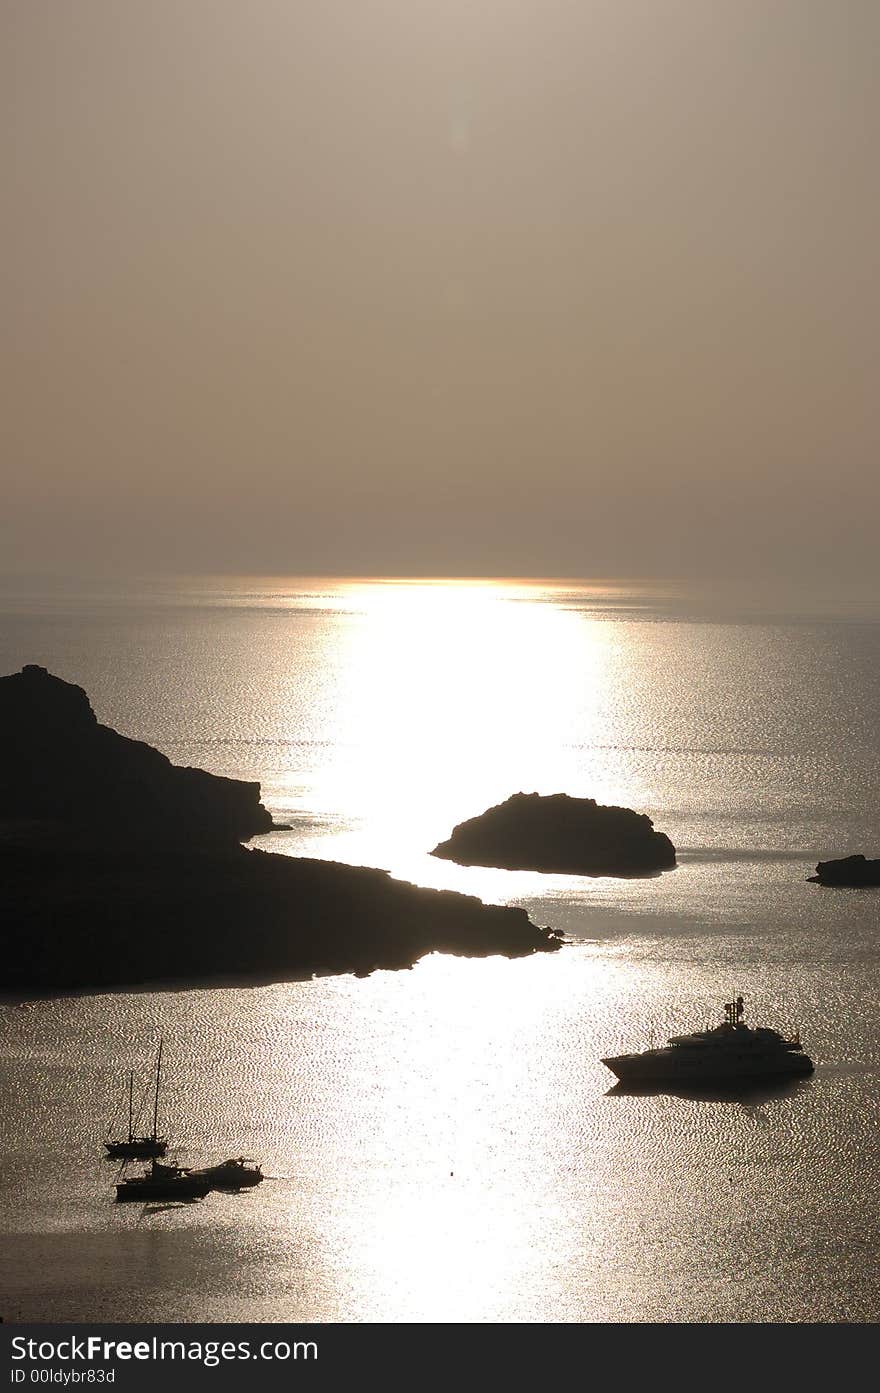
x=441 y=1143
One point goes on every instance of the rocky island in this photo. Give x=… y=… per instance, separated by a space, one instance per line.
x=119 y=869
x=560 y=834
x=853 y=871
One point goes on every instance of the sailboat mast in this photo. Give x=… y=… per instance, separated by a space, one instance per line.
x=130 y=1102
x=156 y=1104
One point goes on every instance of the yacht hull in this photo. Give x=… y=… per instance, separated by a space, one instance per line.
x=228 y=1177
x=182 y=1189
x=136 y=1150
x=644 y=1069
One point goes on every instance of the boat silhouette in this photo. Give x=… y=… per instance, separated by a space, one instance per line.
x=732 y=1052
x=238 y=1173
x=135 y=1147
x=163 y=1182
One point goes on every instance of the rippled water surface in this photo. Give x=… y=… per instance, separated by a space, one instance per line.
x=441 y=1143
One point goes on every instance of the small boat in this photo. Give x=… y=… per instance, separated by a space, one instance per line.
x=133 y=1147
x=234 y=1174
x=729 y=1051
x=162 y=1182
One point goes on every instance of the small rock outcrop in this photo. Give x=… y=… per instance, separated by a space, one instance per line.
x=562 y=835
x=848 y=870
x=57 y=763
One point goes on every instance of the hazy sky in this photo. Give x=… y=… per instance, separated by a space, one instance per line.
x=522 y=287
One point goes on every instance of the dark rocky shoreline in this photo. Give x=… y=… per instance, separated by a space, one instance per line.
x=119 y=869
x=61 y=766
x=79 y=918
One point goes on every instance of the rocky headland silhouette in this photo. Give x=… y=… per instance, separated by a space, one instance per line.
x=61 y=765
x=560 y=834
x=119 y=869
x=852 y=871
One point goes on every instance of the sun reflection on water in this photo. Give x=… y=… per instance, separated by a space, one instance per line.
x=459 y=1121
x=446 y=698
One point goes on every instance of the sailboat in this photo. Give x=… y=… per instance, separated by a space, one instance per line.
x=133 y=1147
